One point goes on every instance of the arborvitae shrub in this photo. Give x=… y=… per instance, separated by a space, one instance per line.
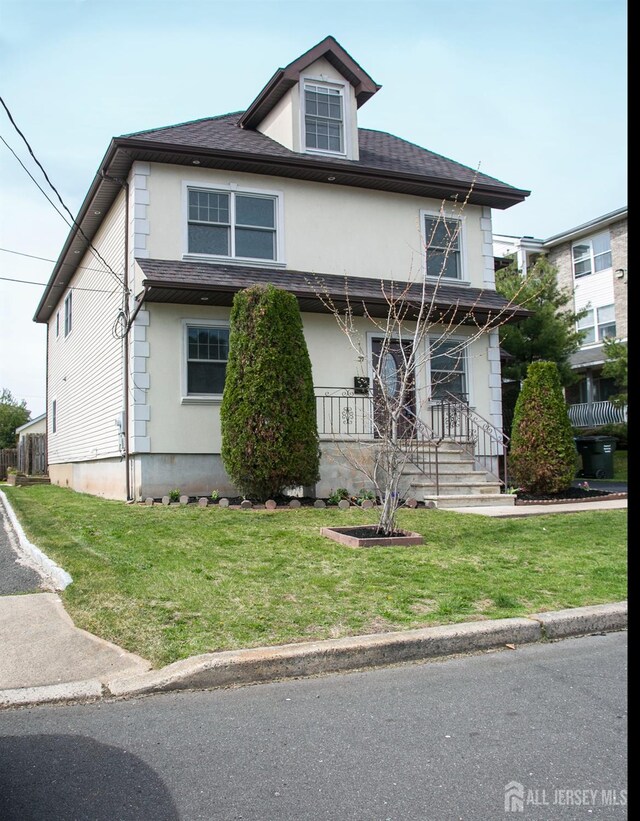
x=542 y=456
x=268 y=412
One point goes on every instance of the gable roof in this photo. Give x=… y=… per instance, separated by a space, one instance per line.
x=286 y=78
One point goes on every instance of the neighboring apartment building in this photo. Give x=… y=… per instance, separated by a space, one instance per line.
x=289 y=192
x=592 y=263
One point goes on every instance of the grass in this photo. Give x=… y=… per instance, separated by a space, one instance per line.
x=171 y=582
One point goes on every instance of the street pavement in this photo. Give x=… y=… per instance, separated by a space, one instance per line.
x=437 y=741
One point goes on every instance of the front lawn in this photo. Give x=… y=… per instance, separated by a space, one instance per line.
x=172 y=582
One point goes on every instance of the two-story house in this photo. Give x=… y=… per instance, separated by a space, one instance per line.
x=592 y=264
x=289 y=191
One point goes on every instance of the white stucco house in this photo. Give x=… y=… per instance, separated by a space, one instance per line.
x=178 y=219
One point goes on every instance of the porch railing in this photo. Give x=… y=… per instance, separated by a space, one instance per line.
x=452 y=418
x=591 y=415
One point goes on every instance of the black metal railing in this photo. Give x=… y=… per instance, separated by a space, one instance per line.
x=452 y=418
x=343 y=413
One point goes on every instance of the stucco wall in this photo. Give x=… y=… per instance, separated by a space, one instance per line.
x=325 y=229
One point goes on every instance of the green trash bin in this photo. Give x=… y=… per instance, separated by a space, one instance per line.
x=597 y=456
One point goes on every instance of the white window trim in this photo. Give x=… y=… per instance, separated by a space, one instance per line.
x=592 y=257
x=464 y=278
x=68 y=299
x=232 y=188
x=433 y=339
x=54 y=414
x=346 y=116
x=191 y=398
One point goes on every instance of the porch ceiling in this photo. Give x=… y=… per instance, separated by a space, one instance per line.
x=194 y=283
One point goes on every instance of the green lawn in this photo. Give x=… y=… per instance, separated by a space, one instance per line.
x=171 y=582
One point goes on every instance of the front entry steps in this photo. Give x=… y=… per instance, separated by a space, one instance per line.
x=460 y=485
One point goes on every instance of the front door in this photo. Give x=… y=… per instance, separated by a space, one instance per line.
x=389 y=362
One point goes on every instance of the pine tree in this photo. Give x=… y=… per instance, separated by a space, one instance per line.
x=542 y=457
x=268 y=412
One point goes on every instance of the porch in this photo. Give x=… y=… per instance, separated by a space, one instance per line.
x=450 y=454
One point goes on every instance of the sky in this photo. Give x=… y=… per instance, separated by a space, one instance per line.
x=532 y=92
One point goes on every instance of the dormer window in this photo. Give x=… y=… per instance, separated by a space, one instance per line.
x=323 y=118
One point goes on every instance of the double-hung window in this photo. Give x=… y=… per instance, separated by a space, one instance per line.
x=592 y=254
x=443 y=246
x=207 y=352
x=232 y=224
x=598 y=324
x=448 y=369
x=68 y=313
x=323 y=118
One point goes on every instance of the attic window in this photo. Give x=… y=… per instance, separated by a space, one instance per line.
x=323 y=118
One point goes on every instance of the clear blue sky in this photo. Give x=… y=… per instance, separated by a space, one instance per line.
x=533 y=92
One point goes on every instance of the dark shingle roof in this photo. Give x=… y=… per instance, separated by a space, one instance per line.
x=379 y=151
x=179 y=281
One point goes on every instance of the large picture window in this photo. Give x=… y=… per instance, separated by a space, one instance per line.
x=232 y=224
x=207 y=349
x=443 y=246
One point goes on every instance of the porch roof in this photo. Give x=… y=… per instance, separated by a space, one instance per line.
x=198 y=283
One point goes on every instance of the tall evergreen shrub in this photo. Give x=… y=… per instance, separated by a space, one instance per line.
x=542 y=457
x=268 y=412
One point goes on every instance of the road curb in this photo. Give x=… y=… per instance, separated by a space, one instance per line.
x=580 y=621
x=264 y=664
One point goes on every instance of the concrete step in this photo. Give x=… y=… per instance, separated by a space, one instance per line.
x=470 y=500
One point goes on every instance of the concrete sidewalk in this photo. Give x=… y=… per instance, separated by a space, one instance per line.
x=514 y=511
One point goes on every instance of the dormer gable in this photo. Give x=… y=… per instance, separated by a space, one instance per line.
x=311 y=105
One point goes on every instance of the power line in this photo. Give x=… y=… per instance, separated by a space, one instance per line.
x=43 y=284
x=55 y=190
x=46 y=259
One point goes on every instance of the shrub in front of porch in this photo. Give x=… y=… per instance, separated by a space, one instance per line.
x=268 y=412
x=543 y=451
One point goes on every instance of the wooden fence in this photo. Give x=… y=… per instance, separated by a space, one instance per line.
x=8 y=459
x=32 y=454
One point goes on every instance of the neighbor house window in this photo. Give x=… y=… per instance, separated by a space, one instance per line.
x=323 y=118
x=232 y=224
x=207 y=354
x=598 y=324
x=57 y=323
x=68 y=314
x=443 y=246
x=54 y=416
x=448 y=369
x=592 y=254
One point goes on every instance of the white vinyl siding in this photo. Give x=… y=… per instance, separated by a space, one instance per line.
x=86 y=367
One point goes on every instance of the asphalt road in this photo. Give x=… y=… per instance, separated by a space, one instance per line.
x=14 y=577
x=423 y=742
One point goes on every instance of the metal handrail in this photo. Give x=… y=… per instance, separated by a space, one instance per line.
x=481 y=439
x=345 y=413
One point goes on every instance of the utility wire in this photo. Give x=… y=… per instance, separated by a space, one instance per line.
x=55 y=190
x=47 y=259
x=43 y=284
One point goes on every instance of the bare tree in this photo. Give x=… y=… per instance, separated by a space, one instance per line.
x=415 y=322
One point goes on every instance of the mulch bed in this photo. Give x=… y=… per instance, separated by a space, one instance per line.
x=572 y=494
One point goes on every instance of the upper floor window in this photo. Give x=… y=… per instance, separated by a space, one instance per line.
x=592 y=254
x=68 y=313
x=443 y=246
x=598 y=324
x=232 y=224
x=54 y=416
x=57 y=323
x=323 y=118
